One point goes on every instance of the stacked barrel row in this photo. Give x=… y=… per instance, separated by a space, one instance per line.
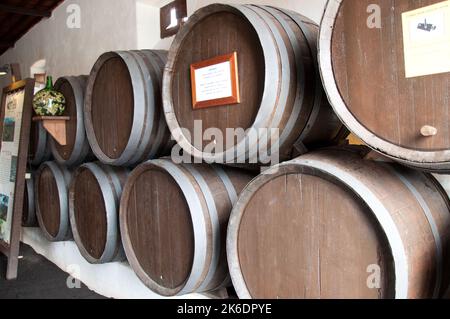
x=198 y=227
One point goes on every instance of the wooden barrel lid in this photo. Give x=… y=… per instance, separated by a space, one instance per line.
x=305 y=236
x=159 y=230
x=364 y=74
x=71 y=126
x=112 y=105
x=90 y=212
x=214 y=31
x=48 y=201
x=77 y=149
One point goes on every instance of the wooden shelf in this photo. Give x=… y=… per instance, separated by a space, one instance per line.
x=55 y=126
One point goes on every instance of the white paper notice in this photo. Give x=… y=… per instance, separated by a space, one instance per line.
x=8 y=160
x=426 y=37
x=213 y=82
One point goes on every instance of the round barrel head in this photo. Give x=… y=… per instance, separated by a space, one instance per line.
x=48 y=201
x=90 y=213
x=304 y=236
x=112 y=106
x=219 y=33
x=370 y=47
x=65 y=151
x=159 y=231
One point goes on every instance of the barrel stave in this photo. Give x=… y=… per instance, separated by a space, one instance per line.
x=335 y=207
x=188 y=211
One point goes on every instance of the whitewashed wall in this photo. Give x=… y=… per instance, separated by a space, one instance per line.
x=110 y=25
x=105 y=25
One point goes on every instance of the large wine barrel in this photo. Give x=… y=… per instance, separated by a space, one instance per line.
x=29 y=212
x=279 y=85
x=331 y=224
x=124 y=117
x=77 y=149
x=39 y=148
x=173 y=220
x=94 y=198
x=51 y=199
x=362 y=62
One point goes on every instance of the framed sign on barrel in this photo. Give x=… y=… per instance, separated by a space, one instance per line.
x=215 y=82
x=15 y=122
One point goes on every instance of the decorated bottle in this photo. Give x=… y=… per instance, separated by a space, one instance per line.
x=48 y=101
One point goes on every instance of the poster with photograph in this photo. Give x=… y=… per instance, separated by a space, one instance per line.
x=8 y=160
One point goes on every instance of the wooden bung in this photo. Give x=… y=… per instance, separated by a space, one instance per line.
x=279 y=84
x=94 y=198
x=330 y=224
x=173 y=221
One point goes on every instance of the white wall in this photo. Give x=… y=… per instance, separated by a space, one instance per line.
x=110 y=25
x=106 y=25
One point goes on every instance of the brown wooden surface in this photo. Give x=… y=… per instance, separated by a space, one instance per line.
x=205 y=41
x=90 y=213
x=123 y=108
x=165 y=17
x=66 y=89
x=48 y=202
x=314 y=237
x=94 y=197
x=112 y=107
x=15 y=23
x=295 y=91
x=369 y=68
x=161 y=228
x=301 y=237
x=157 y=228
x=71 y=126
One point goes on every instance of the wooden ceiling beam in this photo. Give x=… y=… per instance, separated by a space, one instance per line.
x=5 y=44
x=25 y=11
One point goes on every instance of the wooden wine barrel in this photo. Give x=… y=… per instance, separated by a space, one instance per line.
x=173 y=221
x=77 y=150
x=331 y=224
x=51 y=199
x=94 y=198
x=279 y=84
x=29 y=212
x=124 y=117
x=364 y=73
x=39 y=148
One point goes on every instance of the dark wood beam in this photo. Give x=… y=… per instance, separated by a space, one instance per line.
x=4 y=44
x=25 y=11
